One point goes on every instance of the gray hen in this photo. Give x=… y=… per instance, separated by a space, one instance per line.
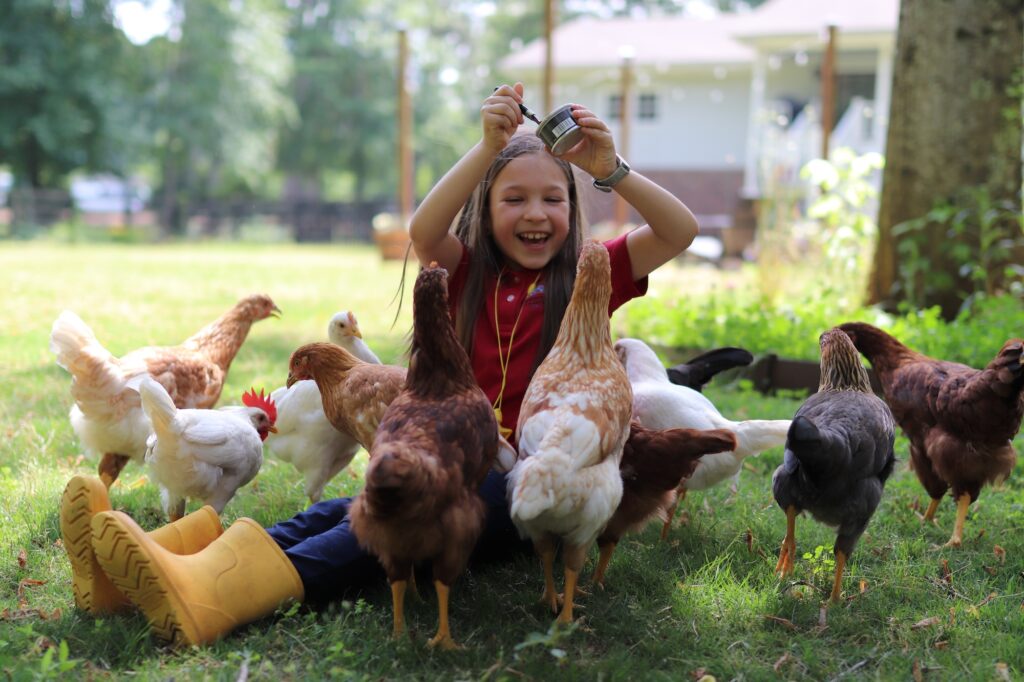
x=839 y=452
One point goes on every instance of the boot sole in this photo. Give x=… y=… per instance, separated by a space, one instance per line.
x=140 y=578
x=82 y=499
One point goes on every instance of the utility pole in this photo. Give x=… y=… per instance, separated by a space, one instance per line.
x=405 y=180
x=549 y=59
x=828 y=90
x=622 y=144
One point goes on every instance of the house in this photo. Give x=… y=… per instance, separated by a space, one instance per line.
x=722 y=109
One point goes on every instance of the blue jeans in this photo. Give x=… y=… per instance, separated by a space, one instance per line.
x=328 y=558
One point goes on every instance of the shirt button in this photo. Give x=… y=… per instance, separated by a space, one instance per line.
x=511 y=297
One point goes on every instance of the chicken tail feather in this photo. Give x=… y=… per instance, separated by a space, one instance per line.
x=757 y=435
x=158 y=404
x=76 y=347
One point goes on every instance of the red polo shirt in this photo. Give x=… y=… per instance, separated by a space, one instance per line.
x=518 y=293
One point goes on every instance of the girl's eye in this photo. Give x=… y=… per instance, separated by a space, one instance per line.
x=512 y=200
x=554 y=200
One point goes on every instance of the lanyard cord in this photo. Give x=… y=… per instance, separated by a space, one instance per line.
x=503 y=359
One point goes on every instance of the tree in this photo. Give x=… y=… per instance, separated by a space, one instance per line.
x=63 y=101
x=216 y=101
x=955 y=131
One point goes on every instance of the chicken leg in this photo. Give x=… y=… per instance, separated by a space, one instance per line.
x=398 y=607
x=929 y=515
x=788 y=549
x=110 y=467
x=602 y=564
x=838 y=582
x=546 y=550
x=962 y=503
x=574 y=556
x=443 y=638
x=680 y=496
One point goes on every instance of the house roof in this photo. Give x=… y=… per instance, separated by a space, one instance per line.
x=809 y=17
x=601 y=42
x=724 y=39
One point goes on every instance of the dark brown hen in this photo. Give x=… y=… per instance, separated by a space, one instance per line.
x=654 y=463
x=839 y=453
x=433 y=448
x=959 y=420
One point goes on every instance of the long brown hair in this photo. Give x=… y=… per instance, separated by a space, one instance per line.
x=474 y=229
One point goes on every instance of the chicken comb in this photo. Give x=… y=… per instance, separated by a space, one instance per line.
x=264 y=402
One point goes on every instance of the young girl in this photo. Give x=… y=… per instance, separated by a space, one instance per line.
x=512 y=261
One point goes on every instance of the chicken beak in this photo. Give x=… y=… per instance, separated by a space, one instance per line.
x=291 y=380
x=272 y=429
x=276 y=312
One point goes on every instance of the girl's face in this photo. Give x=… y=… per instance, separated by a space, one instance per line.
x=529 y=205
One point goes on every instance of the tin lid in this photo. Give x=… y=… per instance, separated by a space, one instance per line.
x=559 y=131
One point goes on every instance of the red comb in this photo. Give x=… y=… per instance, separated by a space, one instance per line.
x=264 y=402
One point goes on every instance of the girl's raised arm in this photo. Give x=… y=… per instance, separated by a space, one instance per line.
x=429 y=228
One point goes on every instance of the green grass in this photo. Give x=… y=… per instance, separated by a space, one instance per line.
x=707 y=599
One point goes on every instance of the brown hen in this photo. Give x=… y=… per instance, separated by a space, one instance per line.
x=654 y=464
x=354 y=393
x=433 y=449
x=959 y=420
x=107 y=415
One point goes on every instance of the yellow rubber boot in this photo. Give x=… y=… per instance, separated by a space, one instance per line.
x=86 y=496
x=196 y=598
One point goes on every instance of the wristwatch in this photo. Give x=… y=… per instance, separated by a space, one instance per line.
x=621 y=171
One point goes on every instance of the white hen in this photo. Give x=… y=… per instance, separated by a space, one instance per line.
x=660 y=404
x=304 y=435
x=203 y=454
x=572 y=428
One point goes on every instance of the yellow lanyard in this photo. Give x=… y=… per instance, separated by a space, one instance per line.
x=503 y=360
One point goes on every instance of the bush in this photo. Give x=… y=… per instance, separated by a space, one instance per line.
x=973 y=338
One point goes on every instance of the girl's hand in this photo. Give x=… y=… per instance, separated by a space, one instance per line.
x=501 y=116
x=595 y=153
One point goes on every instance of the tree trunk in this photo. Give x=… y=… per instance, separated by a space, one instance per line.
x=954 y=123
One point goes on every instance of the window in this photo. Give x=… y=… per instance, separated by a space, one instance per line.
x=614 y=107
x=646 y=107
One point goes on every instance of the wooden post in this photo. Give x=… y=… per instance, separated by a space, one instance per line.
x=828 y=91
x=549 y=59
x=405 y=176
x=622 y=144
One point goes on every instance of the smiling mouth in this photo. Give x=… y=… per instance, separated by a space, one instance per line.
x=533 y=237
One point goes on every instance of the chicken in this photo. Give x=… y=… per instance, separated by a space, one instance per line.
x=304 y=435
x=697 y=372
x=354 y=394
x=434 y=446
x=203 y=454
x=660 y=404
x=959 y=420
x=344 y=331
x=572 y=427
x=839 y=453
x=654 y=463
x=107 y=415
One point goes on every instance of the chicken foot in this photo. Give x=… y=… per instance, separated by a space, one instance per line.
x=574 y=556
x=443 y=638
x=788 y=550
x=962 y=503
x=110 y=467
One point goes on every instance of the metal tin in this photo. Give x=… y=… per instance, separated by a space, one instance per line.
x=559 y=130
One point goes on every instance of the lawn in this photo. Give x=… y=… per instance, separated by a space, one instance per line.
x=706 y=600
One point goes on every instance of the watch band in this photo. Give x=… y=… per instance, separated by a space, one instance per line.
x=621 y=171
